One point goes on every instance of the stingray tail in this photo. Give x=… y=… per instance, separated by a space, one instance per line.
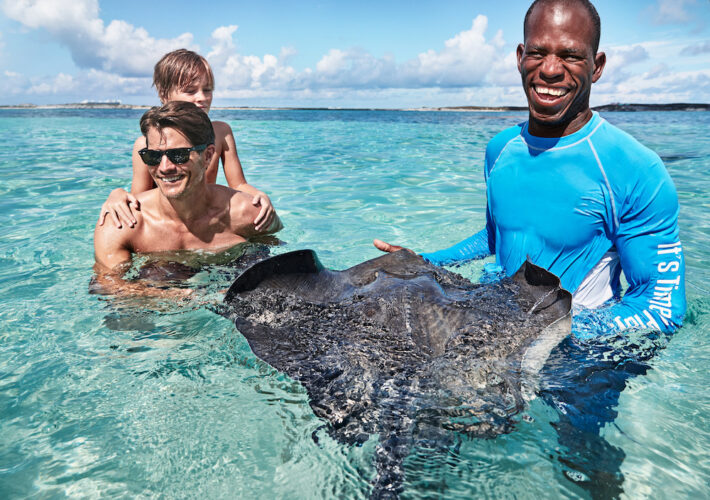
x=389 y=458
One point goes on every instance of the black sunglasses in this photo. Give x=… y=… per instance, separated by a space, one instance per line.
x=178 y=156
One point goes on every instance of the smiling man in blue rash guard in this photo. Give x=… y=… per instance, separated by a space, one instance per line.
x=573 y=193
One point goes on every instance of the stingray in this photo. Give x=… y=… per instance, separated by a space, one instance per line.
x=402 y=349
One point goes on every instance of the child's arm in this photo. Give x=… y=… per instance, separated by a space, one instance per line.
x=142 y=181
x=120 y=204
x=235 y=175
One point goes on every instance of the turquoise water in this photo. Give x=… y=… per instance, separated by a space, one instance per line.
x=107 y=398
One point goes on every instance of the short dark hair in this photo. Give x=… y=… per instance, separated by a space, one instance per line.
x=586 y=4
x=183 y=116
x=178 y=69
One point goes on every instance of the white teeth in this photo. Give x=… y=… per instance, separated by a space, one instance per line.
x=171 y=179
x=550 y=91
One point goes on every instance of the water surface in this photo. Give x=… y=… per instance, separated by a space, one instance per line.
x=116 y=398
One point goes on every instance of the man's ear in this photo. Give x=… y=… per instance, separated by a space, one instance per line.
x=209 y=152
x=599 y=62
x=519 y=53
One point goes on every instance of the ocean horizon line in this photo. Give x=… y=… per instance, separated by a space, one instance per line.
x=604 y=107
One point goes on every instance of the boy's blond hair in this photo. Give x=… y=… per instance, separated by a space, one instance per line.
x=178 y=69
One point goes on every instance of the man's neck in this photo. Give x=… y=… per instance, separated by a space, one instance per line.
x=187 y=207
x=540 y=129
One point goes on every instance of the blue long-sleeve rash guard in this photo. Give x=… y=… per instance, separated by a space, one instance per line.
x=569 y=203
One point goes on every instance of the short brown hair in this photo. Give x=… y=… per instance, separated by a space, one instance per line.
x=183 y=116
x=178 y=69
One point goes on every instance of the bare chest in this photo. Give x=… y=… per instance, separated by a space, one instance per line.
x=169 y=236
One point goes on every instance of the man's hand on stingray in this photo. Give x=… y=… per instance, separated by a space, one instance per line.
x=386 y=247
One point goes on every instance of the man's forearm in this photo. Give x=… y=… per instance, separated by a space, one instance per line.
x=107 y=282
x=659 y=303
x=474 y=247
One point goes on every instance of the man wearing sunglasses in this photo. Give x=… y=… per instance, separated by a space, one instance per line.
x=184 y=212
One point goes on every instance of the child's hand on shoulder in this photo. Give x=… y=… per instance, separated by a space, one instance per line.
x=120 y=205
x=266 y=214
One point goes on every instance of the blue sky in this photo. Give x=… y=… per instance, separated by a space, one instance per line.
x=336 y=53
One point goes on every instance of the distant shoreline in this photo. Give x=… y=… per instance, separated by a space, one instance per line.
x=628 y=107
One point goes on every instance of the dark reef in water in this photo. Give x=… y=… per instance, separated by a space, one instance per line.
x=677 y=106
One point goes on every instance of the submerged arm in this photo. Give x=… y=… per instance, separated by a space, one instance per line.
x=111 y=282
x=112 y=253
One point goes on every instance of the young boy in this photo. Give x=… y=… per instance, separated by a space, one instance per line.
x=183 y=75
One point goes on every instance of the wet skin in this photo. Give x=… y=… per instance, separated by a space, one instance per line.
x=558 y=66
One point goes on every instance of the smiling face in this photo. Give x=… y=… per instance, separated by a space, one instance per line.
x=199 y=92
x=172 y=179
x=558 y=66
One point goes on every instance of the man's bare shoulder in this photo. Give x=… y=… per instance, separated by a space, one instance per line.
x=149 y=197
x=126 y=234
x=113 y=245
x=239 y=202
x=243 y=213
x=109 y=232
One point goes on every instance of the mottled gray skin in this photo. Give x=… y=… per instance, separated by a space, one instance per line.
x=400 y=348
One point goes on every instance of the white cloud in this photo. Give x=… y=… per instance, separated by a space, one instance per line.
x=467 y=59
x=504 y=71
x=13 y=83
x=651 y=72
x=353 y=68
x=468 y=68
x=111 y=84
x=118 y=47
x=222 y=43
x=60 y=84
x=62 y=88
x=236 y=72
x=619 y=60
x=673 y=11
x=697 y=49
x=657 y=85
x=627 y=55
x=332 y=63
